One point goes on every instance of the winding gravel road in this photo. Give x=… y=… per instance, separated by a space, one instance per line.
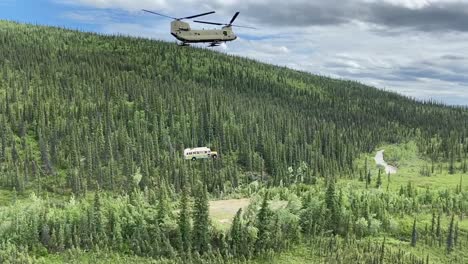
x=379 y=159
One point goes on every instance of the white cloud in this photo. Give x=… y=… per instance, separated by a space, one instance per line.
x=417 y=4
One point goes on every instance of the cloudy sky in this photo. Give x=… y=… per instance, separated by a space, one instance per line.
x=418 y=48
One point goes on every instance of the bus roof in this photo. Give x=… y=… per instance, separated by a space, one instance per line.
x=197 y=149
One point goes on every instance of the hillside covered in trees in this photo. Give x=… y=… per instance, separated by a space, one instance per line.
x=92 y=134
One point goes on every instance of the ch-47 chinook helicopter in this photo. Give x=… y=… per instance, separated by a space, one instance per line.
x=182 y=31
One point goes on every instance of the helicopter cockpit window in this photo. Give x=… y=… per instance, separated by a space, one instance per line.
x=225 y=33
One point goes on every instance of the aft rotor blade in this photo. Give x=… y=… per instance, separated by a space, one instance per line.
x=199 y=15
x=211 y=23
x=154 y=13
x=243 y=26
x=234 y=18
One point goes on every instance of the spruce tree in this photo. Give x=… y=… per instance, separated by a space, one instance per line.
x=452 y=163
x=414 y=235
x=163 y=205
x=262 y=223
x=450 y=236
x=201 y=221
x=388 y=181
x=379 y=179
x=438 y=231
x=382 y=251
x=433 y=226
x=333 y=210
x=465 y=165
x=368 y=179
x=235 y=234
x=98 y=220
x=184 y=222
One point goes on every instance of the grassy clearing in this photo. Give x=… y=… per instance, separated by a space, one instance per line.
x=222 y=212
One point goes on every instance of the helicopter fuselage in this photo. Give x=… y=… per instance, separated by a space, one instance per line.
x=182 y=31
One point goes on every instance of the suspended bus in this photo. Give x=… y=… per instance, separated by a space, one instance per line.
x=199 y=153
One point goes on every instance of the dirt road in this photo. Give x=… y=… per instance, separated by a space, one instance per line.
x=379 y=159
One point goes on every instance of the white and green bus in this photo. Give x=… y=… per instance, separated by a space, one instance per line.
x=199 y=153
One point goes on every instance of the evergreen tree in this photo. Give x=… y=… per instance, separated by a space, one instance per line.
x=368 y=179
x=201 y=221
x=465 y=164
x=333 y=210
x=163 y=206
x=438 y=231
x=414 y=235
x=235 y=234
x=433 y=226
x=382 y=251
x=184 y=222
x=379 y=179
x=450 y=236
x=388 y=181
x=452 y=163
x=262 y=223
x=98 y=221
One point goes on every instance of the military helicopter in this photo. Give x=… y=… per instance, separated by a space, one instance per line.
x=182 y=31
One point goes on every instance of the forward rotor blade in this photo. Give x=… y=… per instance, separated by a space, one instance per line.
x=234 y=18
x=154 y=13
x=199 y=15
x=210 y=23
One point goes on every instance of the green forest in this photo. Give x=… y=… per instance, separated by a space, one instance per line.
x=92 y=133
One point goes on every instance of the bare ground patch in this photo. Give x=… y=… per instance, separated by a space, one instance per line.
x=222 y=212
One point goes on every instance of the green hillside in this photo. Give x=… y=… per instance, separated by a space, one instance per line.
x=105 y=119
